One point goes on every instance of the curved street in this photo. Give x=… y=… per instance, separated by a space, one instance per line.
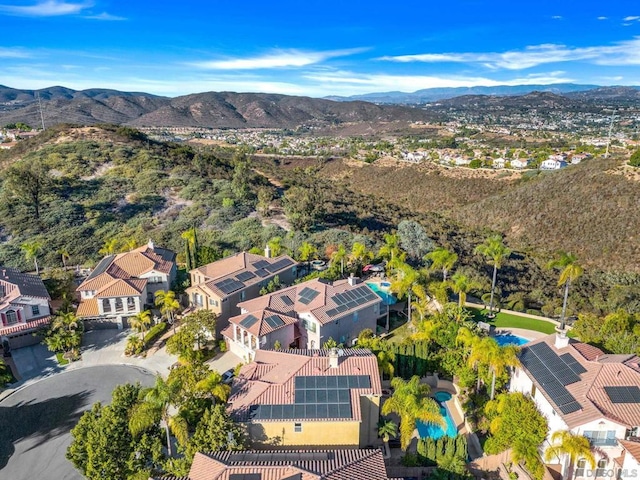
x=35 y=421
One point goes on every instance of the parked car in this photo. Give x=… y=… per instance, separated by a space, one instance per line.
x=227 y=377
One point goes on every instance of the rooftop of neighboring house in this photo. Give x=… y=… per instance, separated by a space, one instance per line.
x=239 y=271
x=316 y=385
x=260 y=323
x=15 y=284
x=631 y=447
x=583 y=383
x=351 y=464
x=326 y=301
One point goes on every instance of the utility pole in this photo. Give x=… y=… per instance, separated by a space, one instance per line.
x=40 y=108
x=606 y=153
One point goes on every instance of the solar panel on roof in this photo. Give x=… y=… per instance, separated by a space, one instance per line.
x=261 y=264
x=262 y=273
x=245 y=476
x=244 y=276
x=279 y=265
x=248 y=321
x=286 y=300
x=331 y=312
x=229 y=285
x=570 y=407
x=572 y=363
x=623 y=394
x=274 y=321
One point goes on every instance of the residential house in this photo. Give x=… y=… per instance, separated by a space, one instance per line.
x=24 y=306
x=580 y=388
x=304 y=316
x=499 y=163
x=552 y=164
x=578 y=157
x=309 y=398
x=220 y=286
x=630 y=458
x=121 y=285
x=462 y=161
x=520 y=163
x=347 y=464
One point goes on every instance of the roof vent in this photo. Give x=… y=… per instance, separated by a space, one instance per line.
x=334 y=358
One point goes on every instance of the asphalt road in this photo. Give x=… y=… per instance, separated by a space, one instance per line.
x=35 y=422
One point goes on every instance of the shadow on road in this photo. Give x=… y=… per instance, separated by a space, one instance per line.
x=43 y=421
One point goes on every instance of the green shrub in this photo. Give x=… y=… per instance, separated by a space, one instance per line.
x=135 y=345
x=634 y=161
x=154 y=332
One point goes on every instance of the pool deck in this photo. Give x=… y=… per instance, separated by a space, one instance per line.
x=521 y=332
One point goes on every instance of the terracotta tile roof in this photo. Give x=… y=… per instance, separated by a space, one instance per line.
x=348 y=464
x=261 y=326
x=322 y=307
x=23 y=327
x=88 y=308
x=97 y=282
x=229 y=268
x=22 y=283
x=632 y=446
x=600 y=371
x=270 y=378
x=123 y=288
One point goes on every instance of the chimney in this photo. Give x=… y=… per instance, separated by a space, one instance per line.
x=561 y=339
x=150 y=245
x=353 y=280
x=267 y=251
x=333 y=358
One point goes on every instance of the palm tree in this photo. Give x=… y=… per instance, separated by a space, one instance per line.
x=403 y=285
x=306 y=251
x=392 y=252
x=564 y=442
x=461 y=285
x=213 y=386
x=501 y=358
x=570 y=272
x=386 y=360
x=495 y=250
x=338 y=256
x=386 y=430
x=31 y=251
x=275 y=246
x=359 y=255
x=141 y=321
x=410 y=401
x=442 y=259
x=109 y=247
x=155 y=405
x=64 y=255
x=167 y=303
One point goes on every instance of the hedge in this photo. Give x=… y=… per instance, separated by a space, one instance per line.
x=154 y=332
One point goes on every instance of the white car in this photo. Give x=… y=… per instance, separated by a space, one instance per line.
x=227 y=377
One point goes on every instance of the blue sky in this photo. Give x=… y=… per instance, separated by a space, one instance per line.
x=316 y=48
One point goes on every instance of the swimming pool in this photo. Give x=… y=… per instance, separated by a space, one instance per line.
x=509 y=339
x=427 y=430
x=383 y=294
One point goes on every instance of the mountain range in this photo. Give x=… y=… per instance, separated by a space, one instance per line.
x=57 y=105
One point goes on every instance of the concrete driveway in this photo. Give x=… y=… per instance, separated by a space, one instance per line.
x=223 y=362
x=36 y=420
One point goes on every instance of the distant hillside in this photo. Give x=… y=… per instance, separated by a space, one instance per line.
x=210 y=109
x=429 y=95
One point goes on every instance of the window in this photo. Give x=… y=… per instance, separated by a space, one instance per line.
x=197 y=299
x=602 y=466
x=35 y=309
x=533 y=391
x=355 y=316
x=213 y=302
x=119 y=305
x=131 y=304
x=582 y=463
x=106 y=305
x=599 y=438
x=297 y=427
x=309 y=325
x=243 y=295
x=11 y=317
x=263 y=340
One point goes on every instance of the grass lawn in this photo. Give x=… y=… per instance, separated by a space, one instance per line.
x=61 y=359
x=508 y=320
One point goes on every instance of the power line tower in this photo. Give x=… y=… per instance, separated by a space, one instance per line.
x=40 y=108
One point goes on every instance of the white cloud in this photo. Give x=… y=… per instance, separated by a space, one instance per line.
x=621 y=53
x=104 y=16
x=13 y=53
x=557 y=17
x=631 y=18
x=49 y=8
x=603 y=18
x=277 y=59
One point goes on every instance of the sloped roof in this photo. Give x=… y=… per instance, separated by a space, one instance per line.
x=122 y=288
x=26 y=284
x=270 y=378
x=245 y=268
x=88 y=308
x=633 y=447
x=261 y=326
x=600 y=371
x=30 y=325
x=323 y=306
x=348 y=464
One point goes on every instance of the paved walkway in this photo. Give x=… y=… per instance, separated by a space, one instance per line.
x=521 y=332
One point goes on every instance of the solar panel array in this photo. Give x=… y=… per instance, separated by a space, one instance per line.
x=286 y=300
x=248 y=321
x=279 y=265
x=307 y=295
x=229 y=285
x=572 y=363
x=245 y=476
x=262 y=273
x=261 y=264
x=244 y=276
x=315 y=397
x=350 y=299
x=624 y=394
x=553 y=374
x=274 y=321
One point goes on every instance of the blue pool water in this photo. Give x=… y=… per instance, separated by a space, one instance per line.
x=435 y=431
x=508 y=339
x=386 y=297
